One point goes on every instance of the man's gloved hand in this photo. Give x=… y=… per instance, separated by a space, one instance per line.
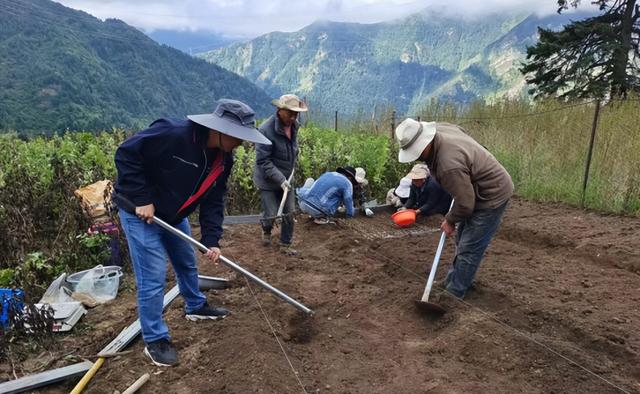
x=285 y=185
x=401 y=209
x=368 y=212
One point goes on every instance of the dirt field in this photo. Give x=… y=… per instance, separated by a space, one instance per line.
x=556 y=282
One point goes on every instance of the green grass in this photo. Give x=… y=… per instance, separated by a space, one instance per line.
x=544 y=148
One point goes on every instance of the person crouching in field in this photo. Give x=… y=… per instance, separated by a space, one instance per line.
x=426 y=195
x=398 y=196
x=479 y=184
x=320 y=199
x=168 y=170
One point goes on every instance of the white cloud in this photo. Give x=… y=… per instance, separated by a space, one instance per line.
x=249 y=18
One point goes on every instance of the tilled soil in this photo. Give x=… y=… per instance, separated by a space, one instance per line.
x=555 y=309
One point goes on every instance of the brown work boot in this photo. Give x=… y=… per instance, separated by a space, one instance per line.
x=287 y=250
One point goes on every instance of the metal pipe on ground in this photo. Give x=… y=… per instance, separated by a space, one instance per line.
x=280 y=294
x=234 y=266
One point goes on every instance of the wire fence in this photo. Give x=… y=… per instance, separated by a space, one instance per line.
x=582 y=153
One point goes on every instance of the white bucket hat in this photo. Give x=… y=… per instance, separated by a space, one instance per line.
x=413 y=137
x=360 y=176
x=404 y=188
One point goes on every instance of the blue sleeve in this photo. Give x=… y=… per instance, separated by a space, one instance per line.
x=347 y=197
x=134 y=155
x=212 y=208
x=264 y=162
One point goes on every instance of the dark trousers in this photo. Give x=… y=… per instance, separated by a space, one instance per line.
x=270 y=204
x=473 y=238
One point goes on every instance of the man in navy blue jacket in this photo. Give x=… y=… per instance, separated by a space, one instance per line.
x=426 y=195
x=168 y=170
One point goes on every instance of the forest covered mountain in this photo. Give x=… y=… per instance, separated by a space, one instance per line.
x=65 y=69
x=401 y=64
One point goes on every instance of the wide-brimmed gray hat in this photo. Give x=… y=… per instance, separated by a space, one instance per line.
x=234 y=118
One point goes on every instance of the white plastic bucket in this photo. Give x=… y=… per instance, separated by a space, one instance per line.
x=99 y=282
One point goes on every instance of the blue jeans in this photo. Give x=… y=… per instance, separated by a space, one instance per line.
x=311 y=211
x=472 y=239
x=149 y=245
x=270 y=204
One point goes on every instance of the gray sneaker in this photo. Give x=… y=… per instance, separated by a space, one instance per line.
x=287 y=250
x=266 y=239
x=162 y=353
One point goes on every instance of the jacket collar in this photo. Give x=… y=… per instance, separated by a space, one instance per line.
x=199 y=134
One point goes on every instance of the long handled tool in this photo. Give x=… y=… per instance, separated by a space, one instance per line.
x=225 y=261
x=424 y=304
x=284 y=197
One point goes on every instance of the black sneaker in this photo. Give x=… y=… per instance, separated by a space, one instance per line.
x=162 y=353
x=207 y=312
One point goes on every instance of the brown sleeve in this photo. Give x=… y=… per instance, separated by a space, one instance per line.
x=458 y=183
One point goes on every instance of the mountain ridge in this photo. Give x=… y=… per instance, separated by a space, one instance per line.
x=387 y=63
x=65 y=69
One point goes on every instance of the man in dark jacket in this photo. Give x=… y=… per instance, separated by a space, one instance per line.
x=167 y=171
x=274 y=166
x=426 y=195
x=478 y=183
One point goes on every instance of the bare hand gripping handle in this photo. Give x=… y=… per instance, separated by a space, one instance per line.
x=129 y=205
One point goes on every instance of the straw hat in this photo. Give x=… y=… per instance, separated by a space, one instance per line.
x=419 y=171
x=290 y=102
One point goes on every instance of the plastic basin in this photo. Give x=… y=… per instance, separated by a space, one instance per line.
x=100 y=282
x=404 y=218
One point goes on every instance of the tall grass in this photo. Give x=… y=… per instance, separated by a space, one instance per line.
x=544 y=148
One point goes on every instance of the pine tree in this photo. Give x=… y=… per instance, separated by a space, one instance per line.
x=594 y=58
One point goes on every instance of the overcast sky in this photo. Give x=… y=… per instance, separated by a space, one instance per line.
x=250 y=18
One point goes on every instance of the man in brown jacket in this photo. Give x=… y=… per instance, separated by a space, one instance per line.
x=478 y=183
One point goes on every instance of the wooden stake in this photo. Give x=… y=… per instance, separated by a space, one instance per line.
x=594 y=127
x=137 y=384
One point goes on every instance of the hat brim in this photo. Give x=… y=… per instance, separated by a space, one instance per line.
x=413 y=151
x=413 y=175
x=224 y=126
x=281 y=105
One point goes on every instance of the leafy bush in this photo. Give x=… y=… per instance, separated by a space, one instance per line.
x=43 y=229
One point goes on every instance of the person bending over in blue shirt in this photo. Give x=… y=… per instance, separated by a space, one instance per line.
x=321 y=199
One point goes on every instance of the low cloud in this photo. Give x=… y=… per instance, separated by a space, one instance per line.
x=250 y=18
